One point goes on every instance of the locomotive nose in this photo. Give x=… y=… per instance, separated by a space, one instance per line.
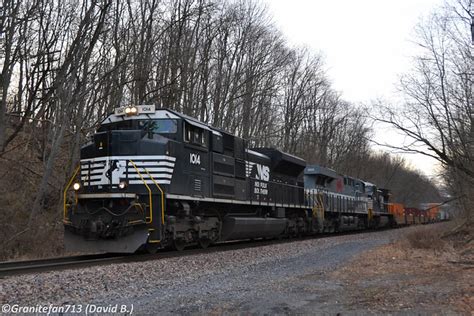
x=115 y=159
x=122 y=142
x=125 y=143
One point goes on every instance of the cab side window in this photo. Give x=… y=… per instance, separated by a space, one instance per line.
x=188 y=133
x=194 y=135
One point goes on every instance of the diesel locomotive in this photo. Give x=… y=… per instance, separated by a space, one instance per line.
x=153 y=178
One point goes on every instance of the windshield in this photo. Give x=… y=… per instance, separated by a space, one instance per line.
x=160 y=126
x=123 y=125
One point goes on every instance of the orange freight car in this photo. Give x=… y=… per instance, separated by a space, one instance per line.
x=398 y=212
x=415 y=215
x=432 y=211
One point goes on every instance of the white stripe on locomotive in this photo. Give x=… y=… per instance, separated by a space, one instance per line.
x=94 y=170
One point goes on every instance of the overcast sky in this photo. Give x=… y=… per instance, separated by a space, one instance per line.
x=366 y=43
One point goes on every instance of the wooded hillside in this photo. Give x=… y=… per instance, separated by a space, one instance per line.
x=67 y=64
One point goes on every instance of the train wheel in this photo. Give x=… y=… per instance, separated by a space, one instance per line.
x=179 y=244
x=204 y=243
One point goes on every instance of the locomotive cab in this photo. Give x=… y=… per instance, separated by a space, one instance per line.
x=125 y=170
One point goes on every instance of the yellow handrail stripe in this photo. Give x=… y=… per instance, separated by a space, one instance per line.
x=65 y=192
x=162 y=197
x=321 y=201
x=149 y=192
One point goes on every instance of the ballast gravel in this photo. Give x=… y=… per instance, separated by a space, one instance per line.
x=273 y=279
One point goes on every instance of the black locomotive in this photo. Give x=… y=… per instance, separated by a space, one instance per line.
x=157 y=178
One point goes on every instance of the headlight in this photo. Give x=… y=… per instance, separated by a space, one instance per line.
x=122 y=185
x=131 y=110
x=76 y=186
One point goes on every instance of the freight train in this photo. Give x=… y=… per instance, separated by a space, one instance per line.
x=155 y=178
x=425 y=214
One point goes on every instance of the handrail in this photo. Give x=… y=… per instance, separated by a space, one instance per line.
x=317 y=201
x=321 y=201
x=149 y=192
x=148 y=219
x=162 y=196
x=65 y=219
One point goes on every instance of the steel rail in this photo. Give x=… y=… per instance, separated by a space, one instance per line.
x=59 y=263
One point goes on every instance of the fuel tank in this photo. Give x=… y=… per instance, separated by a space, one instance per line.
x=234 y=228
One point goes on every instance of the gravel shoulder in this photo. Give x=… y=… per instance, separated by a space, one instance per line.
x=287 y=278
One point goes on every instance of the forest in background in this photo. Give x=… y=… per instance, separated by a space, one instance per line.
x=67 y=64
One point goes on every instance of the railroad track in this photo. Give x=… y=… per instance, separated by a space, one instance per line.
x=10 y=268
x=61 y=263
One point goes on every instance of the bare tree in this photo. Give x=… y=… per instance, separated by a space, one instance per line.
x=438 y=113
x=69 y=86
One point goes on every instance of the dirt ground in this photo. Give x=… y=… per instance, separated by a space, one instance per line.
x=412 y=275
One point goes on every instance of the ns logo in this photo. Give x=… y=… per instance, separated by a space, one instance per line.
x=194 y=159
x=263 y=173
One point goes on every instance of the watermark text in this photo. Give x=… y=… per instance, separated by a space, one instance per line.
x=84 y=309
